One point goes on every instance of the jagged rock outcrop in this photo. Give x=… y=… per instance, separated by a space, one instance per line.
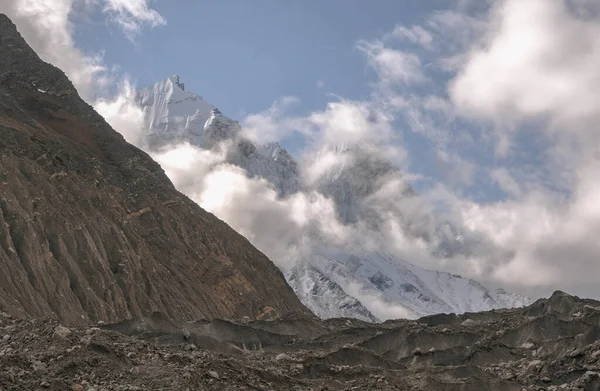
x=92 y=229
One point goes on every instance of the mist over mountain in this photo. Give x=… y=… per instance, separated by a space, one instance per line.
x=332 y=222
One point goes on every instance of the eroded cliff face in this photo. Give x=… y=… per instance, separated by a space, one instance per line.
x=92 y=229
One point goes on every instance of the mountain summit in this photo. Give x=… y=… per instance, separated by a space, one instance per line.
x=173 y=115
x=90 y=226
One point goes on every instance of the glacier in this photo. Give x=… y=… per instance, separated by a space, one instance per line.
x=336 y=280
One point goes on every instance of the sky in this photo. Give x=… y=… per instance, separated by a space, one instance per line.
x=489 y=107
x=241 y=56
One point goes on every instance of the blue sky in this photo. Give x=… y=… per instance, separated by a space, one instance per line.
x=243 y=55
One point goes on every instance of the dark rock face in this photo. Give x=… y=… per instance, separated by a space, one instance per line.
x=500 y=350
x=92 y=229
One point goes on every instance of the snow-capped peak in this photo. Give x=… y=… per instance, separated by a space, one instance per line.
x=173 y=114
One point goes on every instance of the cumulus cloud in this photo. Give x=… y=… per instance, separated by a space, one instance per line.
x=350 y=122
x=538 y=59
x=324 y=163
x=521 y=67
x=524 y=67
x=272 y=124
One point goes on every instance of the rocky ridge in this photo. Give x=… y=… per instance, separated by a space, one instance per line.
x=554 y=344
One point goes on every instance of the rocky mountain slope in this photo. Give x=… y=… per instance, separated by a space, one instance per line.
x=553 y=344
x=334 y=280
x=92 y=229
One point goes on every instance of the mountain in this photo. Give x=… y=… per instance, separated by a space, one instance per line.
x=92 y=229
x=367 y=188
x=325 y=297
x=410 y=291
x=336 y=280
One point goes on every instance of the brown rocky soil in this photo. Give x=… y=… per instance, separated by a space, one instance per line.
x=552 y=345
x=92 y=229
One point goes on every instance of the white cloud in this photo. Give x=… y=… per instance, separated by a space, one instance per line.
x=524 y=66
x=251 y=206
x=324 y=163
x=121 y=112
x=342 y=122
x=537 y=59
x=350 y=122
x=131 y=15
x=414 y=34
x=272 y=124
x=392 y=66
x=554 y=241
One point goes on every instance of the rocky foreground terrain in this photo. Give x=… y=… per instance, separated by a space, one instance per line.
x=550 y=345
